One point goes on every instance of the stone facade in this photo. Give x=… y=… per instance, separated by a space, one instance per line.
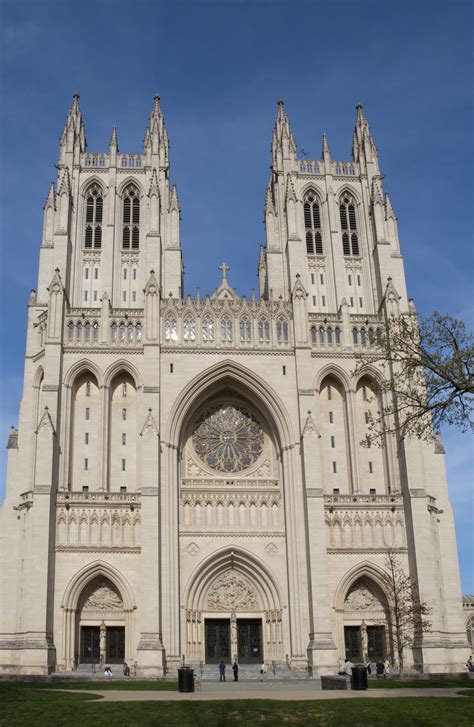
x=187 y=477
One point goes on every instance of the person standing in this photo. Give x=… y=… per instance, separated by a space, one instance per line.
x=263 y=672
x=348 y=667
x=222 y=672
x=469 y=664
x=386 y=666
x=235 y=669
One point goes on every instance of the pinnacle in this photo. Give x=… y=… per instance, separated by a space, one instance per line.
x=113 y=138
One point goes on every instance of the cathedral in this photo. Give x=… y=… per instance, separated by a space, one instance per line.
x=187 y=482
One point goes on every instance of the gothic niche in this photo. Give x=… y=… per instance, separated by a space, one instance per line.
x=103 y=597
x=363 y=596
x=228 y=438
x=232 y=591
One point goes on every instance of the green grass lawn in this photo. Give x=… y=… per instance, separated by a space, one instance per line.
x=21 y=705
x=420 y=683
x=136 y=685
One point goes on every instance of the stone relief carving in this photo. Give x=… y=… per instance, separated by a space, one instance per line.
x=232 y=591
x=193 y=549
x=271 y=549
x=362 y=598
x=103 y=598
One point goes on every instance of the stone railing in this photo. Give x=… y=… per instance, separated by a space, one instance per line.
x=363 y=501
x=340 y=169
x=329 y=332
x=123 y=499
x=98 y=160
x=235 y=484
x=95 y=160
x=83 y=327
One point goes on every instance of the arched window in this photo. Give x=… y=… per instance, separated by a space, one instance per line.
x=122 y=331
x=131 y=219
x=207 y=328
x=79 y=331
x=93 y=220
x=226 y=329
x=282 y=330
x=314 y=335
x=371 y=336
x=87 y=331
x=350 y=238
x=113 y=331
x=95 y=331
x=329 y=334
x=355 y=336
x=130 y=332
x=189 y=328
x=363 y=337
x=338 y=335
x=245 y=329
x=321 y=335
x=263 y=330
x=70 y=331
x=138 y=331
x=312 y=223
x=170 y=329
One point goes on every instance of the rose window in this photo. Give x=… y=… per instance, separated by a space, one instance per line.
x=228 y=438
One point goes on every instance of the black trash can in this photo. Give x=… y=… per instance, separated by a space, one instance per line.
x=359 y=678
x=186 y=679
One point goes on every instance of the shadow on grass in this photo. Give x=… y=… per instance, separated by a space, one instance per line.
x=421 y=684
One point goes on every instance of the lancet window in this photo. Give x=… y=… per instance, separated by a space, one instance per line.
x=207 y=329
x=226 y=329
x=263 y=330
x=93 y=218
x=312 y=223
x=189 y=328
x=350 y=235
x=131 y=219
x=282 y=330
x=170 y=329
x=245 y=329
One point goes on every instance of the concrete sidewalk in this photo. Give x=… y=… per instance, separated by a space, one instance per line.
x=242 y=690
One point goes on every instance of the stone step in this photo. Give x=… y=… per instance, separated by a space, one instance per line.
x=247 y=672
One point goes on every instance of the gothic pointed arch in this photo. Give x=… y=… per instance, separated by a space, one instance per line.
x=337 y=372
x=365 y=570
x=81 y=367
x=236 y=376
x=232 y=578
x=126 y=366
x=89 y=573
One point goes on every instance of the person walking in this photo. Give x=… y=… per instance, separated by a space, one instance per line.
x=386 y=666
x=263 y=672
x=222 y=672
x=126 y=669
x=469 y=664
x=235 y=669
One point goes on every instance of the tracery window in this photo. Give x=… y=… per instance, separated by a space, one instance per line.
x=245 y=329
x=189 y=328
x=226 y=329
x=312 y=223
x=263 y=330
x=131 y=219
x=355 y=336
x=93 y=219
x=170 y=329
x=350 y=237
x=314 y=335
x=321 y=335
x=282 y=330
x=228 y=438
x=207 y=328
x=329 y=334
x=338 y=335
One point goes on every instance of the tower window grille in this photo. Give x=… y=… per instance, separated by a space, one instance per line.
x=170 y=329
x=93 y=220
x=312 y=223
x=131 y=219
x=207 y=329
x=350 y=235
x=189 y=329
x=245 y=329
x=263 y=330
x=226 y=329
x=282 y=330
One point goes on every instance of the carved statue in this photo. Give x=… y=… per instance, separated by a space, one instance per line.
x=232 y=591
x=102 y=643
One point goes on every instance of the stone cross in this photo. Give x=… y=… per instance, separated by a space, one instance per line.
x=224 y=268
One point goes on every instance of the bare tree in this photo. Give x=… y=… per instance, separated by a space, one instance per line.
x=428 y=377
x=407 y=612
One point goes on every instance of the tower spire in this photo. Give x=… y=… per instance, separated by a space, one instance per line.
x=283 y=141
x=364 y=150
x=73 y=139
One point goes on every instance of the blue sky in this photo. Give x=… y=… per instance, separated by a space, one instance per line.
x=219 y=68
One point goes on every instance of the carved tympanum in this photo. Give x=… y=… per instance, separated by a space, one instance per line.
x=362 y=598
x=103 y=598
x=232 y=591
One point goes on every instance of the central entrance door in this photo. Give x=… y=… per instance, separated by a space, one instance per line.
x=115 y=644
x=90 y=644
x=217 y=640
x=249 y=640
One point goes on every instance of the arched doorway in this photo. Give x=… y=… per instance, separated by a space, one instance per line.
x=366 y=622
x=233 y=611
x=101 y=624
x=98 y=608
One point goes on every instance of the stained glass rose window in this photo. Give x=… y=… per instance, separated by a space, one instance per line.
x=228 y=438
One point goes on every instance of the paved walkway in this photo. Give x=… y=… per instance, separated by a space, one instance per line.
x=244 y=690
